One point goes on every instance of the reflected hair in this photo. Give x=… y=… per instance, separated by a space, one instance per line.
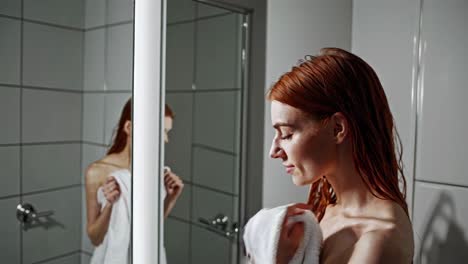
x=338 y=81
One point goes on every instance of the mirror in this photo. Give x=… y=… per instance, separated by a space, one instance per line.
x=66 y=75
x=205 y=92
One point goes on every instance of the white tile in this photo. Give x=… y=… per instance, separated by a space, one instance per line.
x=179 y=56
x=205 y=10
x=10 y=51
x=442 y=128
x=52 y=57
x=50 y=166
x=218 y=53
x=207 y=204
x=215 y=169
x=439 y=221
x=94 y=70
x=60 y=233
x=51 y=116
x=95 y=13
x=120 y=57
x=93 y=118
x=176 y=241
x=58 y=12
x=182 y=206
x=114 y=104
x=178 y=152
x=10 y=8
x=180 y=10
x=90 y=153
x=10 y=114
x=10 y=164
x=208 y=247
x=119 y=11
x=10 y=246
x=376 y=28
x=217 y=120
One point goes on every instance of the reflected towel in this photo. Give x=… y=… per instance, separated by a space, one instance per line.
x=115 y=246
x=263 y=230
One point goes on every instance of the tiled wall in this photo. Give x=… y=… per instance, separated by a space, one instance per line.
x=203 y=88
x=41 y=54
x=437 y=171
x=107 y=82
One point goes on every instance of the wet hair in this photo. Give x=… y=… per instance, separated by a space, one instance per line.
x=338 y=81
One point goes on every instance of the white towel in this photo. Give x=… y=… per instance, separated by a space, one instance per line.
x=115 y=246
x=261 y=236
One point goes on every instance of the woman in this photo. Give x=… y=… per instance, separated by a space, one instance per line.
x=335 y=132
x=118 y=158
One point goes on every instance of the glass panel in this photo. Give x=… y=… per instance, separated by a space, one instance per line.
x=65 y=76
x=204 y=93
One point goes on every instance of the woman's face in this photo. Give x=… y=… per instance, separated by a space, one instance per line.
x=167 y=128
x=306 y=146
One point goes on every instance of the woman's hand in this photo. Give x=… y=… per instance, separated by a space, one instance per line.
x=111 y=190
x=173 y=185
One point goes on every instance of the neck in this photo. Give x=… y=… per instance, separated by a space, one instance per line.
x=351 y=192
x=124 y=157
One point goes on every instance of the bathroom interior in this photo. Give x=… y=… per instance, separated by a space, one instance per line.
x=68 y=68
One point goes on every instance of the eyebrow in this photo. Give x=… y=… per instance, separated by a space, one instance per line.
x=280 y=124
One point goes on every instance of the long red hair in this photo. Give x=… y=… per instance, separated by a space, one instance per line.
x=339 y=81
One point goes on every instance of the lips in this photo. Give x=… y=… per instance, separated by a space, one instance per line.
x=289 y=169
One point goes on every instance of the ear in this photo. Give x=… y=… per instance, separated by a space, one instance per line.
x=340 y=127
x=128 y=127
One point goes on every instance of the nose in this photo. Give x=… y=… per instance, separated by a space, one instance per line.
x=275 y=150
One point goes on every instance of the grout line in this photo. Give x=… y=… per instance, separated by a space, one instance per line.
x=197 y=19
x=441 y=183
x=53 y=189
x=107 y=91
x=58 y=257
x=211 y=189
x=51 y=89
x=198 y=145
x=51 y=143
x=10 y=17
x=205 y=90
x=53 y=25
x=126 y=22
x=9 y=196
x=21 y=126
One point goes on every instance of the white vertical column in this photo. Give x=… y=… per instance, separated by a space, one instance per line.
x=147 y=141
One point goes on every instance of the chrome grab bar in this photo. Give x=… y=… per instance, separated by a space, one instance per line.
x=26 y=214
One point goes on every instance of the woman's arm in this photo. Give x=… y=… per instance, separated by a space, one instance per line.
x=97 y=220
x=174 y=187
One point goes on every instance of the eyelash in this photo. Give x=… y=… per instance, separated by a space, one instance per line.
x=287 y=137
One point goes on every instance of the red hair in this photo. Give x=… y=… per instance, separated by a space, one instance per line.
x=120 y=138
x=339 y=81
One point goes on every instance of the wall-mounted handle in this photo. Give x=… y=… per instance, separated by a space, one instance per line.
x=219 y=224
x=26 y=214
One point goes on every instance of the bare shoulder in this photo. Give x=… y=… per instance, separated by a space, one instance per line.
x=95 y=174
x=391 y=243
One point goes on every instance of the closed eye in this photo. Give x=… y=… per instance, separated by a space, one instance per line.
x=287 y=137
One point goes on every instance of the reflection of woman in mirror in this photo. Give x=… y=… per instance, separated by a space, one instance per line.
x=335 y=132
x=106 y=176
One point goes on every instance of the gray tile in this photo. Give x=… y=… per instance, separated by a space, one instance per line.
x=10 y=50
x=10 y=164
x=179 y=56
x=95 y=13
x=93 y=118
x=179 y=149
x=208 y=247
x=10 y=7
x=207 y=204
x=214 y=169
x=94 y=60
x=205 y=10
x=85 y=242
x=10 y=114
x=51 y=116
x=58 y=12
x=217 y=120
x=60 y=233
x=71 y=259
x=119 y=11
x=182 y=207
x=51 y=166
x=90 y=153
x=439 y=222
x=10 y=232
x=218 y=53
x=120 y=57
x=85 y=258
x=114 y=104
x=180 y=10
x=176 y=241
x=52 y=57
